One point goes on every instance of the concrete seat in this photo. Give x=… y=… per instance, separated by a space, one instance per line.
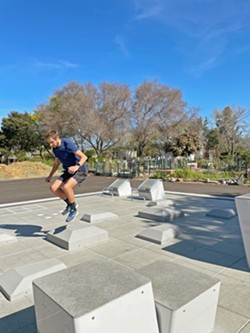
x=77 y=234
x=160 y=233
x=97 y=296
x=186 y=300
x=18 y=281
x=149 y=189
x=222 y=213
x=120 y=187
x=98 y=216
x=161 y=214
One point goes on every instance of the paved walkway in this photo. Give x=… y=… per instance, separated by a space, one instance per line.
x=211 y=245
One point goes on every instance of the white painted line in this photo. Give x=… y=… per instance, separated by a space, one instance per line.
x=20 y=203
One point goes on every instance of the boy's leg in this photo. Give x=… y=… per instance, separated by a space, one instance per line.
x=70 y=183
x=56 y=188
x=68 y=189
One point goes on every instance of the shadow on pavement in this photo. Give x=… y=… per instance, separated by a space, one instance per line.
x=25 y=230
x=23 y=321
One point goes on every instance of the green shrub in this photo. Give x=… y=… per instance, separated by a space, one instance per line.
x=203 y=174
x=161 y=175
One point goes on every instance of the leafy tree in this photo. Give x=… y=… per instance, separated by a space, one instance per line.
x=19 y=132
x=3 y=140
x=244 y=152
x=210 y=138
x=185 y=144
x=231 y=124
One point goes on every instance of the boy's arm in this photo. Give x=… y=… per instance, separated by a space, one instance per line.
x=54 y=169
x=83 y=159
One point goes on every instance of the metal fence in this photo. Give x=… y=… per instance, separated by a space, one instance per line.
x=128 y=169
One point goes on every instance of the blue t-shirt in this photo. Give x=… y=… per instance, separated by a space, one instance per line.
x=66 y=153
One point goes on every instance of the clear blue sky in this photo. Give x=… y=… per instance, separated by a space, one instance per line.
x=201 y=47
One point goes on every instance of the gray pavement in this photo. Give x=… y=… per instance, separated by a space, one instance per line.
x=208 y=244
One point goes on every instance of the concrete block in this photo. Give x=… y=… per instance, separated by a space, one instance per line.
x=120 y=187
x=161 y=203
x=243 y=209
x=6 y=238
x=95 y=296
x=18 y=281
x=186 y=300
x=222 y=213
x=152 y=189
x=76 y=235
x=160 y=214
x=97 y=217
x=160 y=234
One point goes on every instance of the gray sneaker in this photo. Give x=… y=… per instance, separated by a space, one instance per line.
x=66 y=210
x=72 y=215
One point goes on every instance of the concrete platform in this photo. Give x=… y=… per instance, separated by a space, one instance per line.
x=17 y=282
x=186 y=300
x=243 y=209
x=120 y=187
x=95 y=296
x=161 y=214
x=161 y=203
x=98 y=216
x=222 y=213
x=76 y=235
x=213 y=246
x=160 y=234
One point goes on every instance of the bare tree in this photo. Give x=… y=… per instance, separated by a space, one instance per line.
x=156 y=111
x=95 y=116
x=104 y=121
x=59 y=112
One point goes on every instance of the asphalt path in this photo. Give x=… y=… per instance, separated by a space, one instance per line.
x=36 y=188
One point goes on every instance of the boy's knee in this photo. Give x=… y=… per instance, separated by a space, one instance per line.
x=65 y=187
x=53 y=188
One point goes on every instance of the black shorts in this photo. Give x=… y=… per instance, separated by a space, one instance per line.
x=80 y=175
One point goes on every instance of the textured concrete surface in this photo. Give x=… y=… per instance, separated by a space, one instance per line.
x=186 y=300
x=211 y=245
x=17 y=282
x=118 y=300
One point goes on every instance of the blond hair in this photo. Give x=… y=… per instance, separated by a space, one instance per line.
x=51 y=134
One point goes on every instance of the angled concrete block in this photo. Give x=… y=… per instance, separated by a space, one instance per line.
x=120 y=187
x=18 y=281
x=160 y=214
x=186 y=300
x=98 y=296
x=76 y=235
x=222 y=213
x=160 y=234
x=6 y=238
x=161 y=203
x=243 y=209
x=96 y=217
x=152 y=189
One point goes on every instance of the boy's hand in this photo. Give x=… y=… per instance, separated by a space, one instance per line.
x=73 y=169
